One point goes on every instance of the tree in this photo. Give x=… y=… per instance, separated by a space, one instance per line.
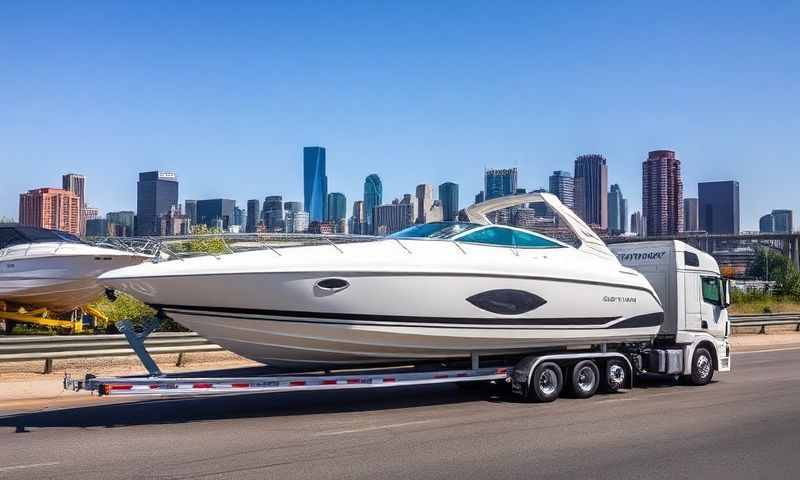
x=207 y=244
x=770 y=262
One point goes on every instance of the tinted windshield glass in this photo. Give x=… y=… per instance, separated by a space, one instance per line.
x=20 y=235
x=434 y=230
x=508 y=237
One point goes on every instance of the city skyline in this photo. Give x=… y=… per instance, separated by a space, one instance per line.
x=110 y=104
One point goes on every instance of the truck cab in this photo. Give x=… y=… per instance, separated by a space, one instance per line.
x=692 y=292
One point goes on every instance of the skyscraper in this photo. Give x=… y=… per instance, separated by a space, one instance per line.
x=424 y=201
x=409 y=199
x=392 y=218
x=253 y=215
x=562 y=185
x=480 y=197
x=448 y=196
x=156 y=194
x=292 y=206
x=272 y=213
x=497 y=183
x=315 y=182
x=636 y=224
x=190 y=210
x=120 y=224
x=617 y=211
x=718 y=206
x=591 y=188
x=297 y=221
x=662 y=193
x=357 y=221
x=373 y=196
x=216 y=213
x=337 y=207
x=783 y=221
x=691 y=219
x=75 y=183
x=51 y=208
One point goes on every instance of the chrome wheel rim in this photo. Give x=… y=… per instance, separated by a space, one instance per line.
x=703 y=366
x=586 y=379
x=548 y=382
x=616 y=375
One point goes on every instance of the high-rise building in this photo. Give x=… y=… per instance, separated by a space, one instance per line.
x=718 y=206
x=253 y=215
x=176 y=223
x=97 y=227
x=783 y=221
x=51 y=208
x=409 y=199
x=216 y=213
x=297 y=221
x=190 y=210
x=435 y=214
x=498 y=183
x=562 y=185
x=272 y=213
x=662 y=193
x=591 y=188
x=448 y=197
x=315 y=182
x=337 y=207
x=120 y=224
x=424 y=201
x=480 y=197
x=392 y=218
x=238 y=216
x=156 y=194
x=373 y=196
x=75 y=183
x=636 y=224
x=617 y=211
x=357 y=221
x=292 y=206
x=779 y=221
x=691 y=218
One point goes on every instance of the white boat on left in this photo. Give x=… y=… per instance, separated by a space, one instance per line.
x=52 y=269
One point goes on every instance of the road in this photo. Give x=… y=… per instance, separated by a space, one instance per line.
x=744 y=425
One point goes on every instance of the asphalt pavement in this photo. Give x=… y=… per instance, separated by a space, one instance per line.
x=744 y=425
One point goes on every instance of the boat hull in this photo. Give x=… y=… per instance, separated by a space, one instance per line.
x=286 y=319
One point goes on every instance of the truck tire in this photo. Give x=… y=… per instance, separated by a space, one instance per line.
x=546 y=383
x=615 y=376
x=702 y=367
x=585 y=379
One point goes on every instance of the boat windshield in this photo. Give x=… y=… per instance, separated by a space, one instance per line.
x=19 y=235
x=442 y=230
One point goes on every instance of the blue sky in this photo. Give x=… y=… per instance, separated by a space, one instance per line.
x=227 y=93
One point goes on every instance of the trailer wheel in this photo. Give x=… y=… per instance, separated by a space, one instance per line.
x=546 y=383
x=585 y=379
x=702 y=367
x=615 y=376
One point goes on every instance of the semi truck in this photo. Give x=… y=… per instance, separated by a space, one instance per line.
x=691 y=344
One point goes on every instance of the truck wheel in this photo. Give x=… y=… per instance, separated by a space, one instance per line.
x=615 y=376
x=585 y=379
x=546 y=383
x=702 y=367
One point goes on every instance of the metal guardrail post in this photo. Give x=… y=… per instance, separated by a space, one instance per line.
x=136 y=340
x=48 y=366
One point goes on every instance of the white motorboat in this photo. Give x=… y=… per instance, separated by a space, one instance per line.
x=50 y=269
x=434 y=291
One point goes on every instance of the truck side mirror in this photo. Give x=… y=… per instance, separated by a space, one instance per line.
x=726 y=293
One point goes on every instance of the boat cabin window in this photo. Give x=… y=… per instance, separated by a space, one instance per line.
x=508 y=238
x=435 y=230
x=22 y=235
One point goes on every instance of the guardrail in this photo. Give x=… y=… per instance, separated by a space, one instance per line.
x=49 y=348
x=764 y=320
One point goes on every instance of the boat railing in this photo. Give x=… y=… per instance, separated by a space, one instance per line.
x=219 y=244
